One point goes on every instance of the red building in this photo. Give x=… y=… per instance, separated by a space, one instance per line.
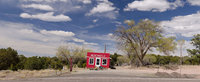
x=98 y=59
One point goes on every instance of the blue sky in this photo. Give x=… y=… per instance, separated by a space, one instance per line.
x=38 y=27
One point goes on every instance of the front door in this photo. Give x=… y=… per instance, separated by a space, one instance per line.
x=98 y=60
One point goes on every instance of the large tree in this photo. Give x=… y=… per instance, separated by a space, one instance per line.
x=138 y=39
x=8 y=58
x=195 y=42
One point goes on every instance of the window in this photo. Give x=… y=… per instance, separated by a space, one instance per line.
x=98 y=61
x=91 y=61
x=104 y=62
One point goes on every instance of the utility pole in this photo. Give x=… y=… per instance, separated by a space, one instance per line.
x=105 y=48
x=180 y=59
x=181 y=43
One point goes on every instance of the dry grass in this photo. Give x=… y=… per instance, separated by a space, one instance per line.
x=8 y=75
x=187 y=71
x=173 y=75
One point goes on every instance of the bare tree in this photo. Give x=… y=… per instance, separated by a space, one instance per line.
x=68 y=53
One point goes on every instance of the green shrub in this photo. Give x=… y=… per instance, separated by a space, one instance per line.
x=81 y=63
x=149 y=59
x=122 y=60
x=56 y=65
x=33 y=63
x=22 y=60
x=84 y=65
x=8 y=57
x=13 y=68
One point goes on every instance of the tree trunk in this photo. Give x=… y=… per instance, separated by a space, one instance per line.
x=142 y=62
x=132 y=62
x=71 y=65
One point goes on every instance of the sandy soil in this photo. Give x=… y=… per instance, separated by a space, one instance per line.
x=22 y=74
x=186 y=69
x=186 y=72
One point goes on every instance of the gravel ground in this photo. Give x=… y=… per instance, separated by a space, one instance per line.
x=121 y=74
x=104 y=76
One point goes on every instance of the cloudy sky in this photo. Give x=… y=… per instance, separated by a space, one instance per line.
x=38 y=27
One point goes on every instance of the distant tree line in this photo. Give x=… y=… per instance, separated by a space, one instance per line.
x=172 y=60
x=9 y=59
x=152 y=59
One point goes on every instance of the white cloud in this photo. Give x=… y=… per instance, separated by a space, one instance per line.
x=106 y=37
x=33 y=41
x=77 y=7
x=101 y=8
x=194 y=2
x=23 y=38
x=95 y=20
x=45 y=0
x=39 y=6
x=104 y=8
x=59 y=33
x=78 y=40
x=153 y=5
x=47 y=17
x=110 y=34
x=86 y=1
x=187 y=25
x=117 y=22
x=86 y=43
x=65 y=6
x=90 y=26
